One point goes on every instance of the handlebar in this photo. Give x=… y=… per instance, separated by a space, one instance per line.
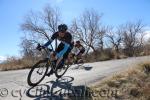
x=39 y=47
x=47 y=50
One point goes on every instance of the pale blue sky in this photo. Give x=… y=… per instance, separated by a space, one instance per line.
x=115 y=12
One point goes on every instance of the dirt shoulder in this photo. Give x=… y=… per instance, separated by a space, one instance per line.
x=132 y=84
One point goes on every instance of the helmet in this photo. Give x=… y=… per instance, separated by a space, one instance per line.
x=62 y=27
x=77 y=42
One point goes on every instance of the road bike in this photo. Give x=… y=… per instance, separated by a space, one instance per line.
x=46 y=67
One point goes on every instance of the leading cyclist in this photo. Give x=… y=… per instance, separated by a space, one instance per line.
x=63 y=49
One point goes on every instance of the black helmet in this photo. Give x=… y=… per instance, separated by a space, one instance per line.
x=77 y=42
x=62 y=27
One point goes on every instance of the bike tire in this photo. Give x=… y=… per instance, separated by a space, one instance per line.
x=29 y=80
x=64 y=71
x=81 y=63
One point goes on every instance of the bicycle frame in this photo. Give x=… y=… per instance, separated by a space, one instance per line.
x=48 y=52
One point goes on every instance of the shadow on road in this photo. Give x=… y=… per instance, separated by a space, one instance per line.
x=84 y=67
x=60 y=89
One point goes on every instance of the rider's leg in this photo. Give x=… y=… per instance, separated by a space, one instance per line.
x=58 y=49
x=69 y=57
x=79 y=56
x=63 y=53
x=53 y=56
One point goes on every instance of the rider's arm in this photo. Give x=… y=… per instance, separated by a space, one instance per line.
x=81 y=50
x=68 y=38
x=48 y=43
x=54 y=36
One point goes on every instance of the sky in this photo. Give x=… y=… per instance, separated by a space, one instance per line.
x=115 y=12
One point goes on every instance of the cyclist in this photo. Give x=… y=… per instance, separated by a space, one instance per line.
x=77 y=51
x=64 y=47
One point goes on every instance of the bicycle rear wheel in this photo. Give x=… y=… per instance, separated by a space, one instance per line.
x=37 y=73
x=59 y=72
x=80 y=62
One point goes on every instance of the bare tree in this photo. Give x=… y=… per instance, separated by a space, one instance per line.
x=86 y=29
x=101 y=35
x=146 y=50
x=132 y=36
x=27 y=48
x=115 y=38
x=41 y=25
x=29 y=53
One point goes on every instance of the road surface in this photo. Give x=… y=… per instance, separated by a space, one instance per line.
x=13 y=84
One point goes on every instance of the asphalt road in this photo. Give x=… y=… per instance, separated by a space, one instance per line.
x=13 y=84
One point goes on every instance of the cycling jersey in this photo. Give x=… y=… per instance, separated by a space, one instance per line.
x=78 y=50
x=67 y=38
x=65 y=45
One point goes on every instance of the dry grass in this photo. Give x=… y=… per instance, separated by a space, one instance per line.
x=99 y=56
x=13 y=63
x=133 y=84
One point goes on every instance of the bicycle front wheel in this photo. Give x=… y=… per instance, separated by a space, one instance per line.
x=37 y=73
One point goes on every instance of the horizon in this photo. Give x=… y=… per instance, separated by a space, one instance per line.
x=115 y=13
